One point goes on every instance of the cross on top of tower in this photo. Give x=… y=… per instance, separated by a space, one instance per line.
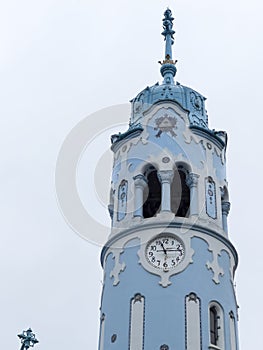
x=168 y=32
x=168 y=65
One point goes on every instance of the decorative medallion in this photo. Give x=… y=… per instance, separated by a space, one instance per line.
x=166 y=160
x=113 y=338
x=164 y=347
x=166 y=124
x=196 y=101
x=137 y=298
x=192 y=297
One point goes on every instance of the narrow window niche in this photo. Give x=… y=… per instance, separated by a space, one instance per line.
x=210 y=195
x=180 y=193
x=102 y=332
x=193 y=322
x=152 y=193
x=216 y=327
x=136 y=338
x=122 y=200
x=233 y=333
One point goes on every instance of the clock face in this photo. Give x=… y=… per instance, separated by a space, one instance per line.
x=165 y=252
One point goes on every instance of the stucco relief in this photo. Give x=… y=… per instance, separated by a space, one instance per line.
x=165 y=124
x=118 y=266
x=215 y=246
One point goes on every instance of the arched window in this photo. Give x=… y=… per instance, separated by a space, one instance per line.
x=213 y=325
x=216 y=326
x=180 y=193
x=152 y=193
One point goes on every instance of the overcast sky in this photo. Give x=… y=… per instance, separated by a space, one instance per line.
x=63 y=60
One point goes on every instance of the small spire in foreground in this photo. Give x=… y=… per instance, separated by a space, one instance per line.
x=28 y=339
x=168 y=69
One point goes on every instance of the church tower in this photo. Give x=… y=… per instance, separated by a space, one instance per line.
x=169 y=264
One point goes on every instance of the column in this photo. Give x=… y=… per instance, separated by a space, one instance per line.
x=225 y=211
x=140 y=183
x=166 y=178
x=192 y=181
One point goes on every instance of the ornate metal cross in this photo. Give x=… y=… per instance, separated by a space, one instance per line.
x=28 y=339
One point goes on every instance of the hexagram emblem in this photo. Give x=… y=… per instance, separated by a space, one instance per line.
x=166 y=124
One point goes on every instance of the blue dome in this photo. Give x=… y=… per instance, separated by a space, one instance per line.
x=189 y=99
x=186 y=97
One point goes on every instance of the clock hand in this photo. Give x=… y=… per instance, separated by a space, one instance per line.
x=165 y=252
x=173 y=250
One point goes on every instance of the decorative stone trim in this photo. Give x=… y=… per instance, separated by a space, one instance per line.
x=192 y=180
x=118 y=267
x=225 y=207
x=140 y=181
x=214 y=265
x=165 y=176
x=216 y=244
x=164 y=347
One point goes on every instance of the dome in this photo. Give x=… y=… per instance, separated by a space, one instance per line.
x=186 y=97
x=189 y=99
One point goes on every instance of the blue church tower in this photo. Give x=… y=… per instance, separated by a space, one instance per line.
x=169 y=264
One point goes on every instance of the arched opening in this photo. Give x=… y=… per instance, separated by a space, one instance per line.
x=213 y=325
x=152 y=193
x=180 y=193
x=216 y=325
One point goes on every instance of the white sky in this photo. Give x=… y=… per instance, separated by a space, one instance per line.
x=61 y=61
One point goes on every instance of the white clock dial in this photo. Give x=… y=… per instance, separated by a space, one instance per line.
x=165 y=252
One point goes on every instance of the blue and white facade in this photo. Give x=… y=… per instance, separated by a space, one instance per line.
x=169 y=264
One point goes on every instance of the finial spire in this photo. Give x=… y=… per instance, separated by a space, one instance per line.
x=168 y=33
x=168 y=69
